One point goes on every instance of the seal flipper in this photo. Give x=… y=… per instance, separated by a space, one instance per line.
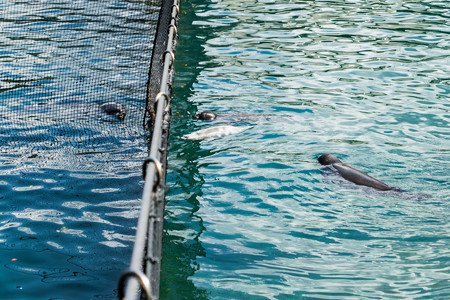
x=360 y=178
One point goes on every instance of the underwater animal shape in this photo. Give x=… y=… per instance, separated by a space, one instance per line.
x=354 y=175
x=240 y=118
x=214 y=132
x=114 y=109
x=205 y=115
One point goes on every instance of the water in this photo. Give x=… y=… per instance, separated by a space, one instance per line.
x=70 y=177
x=251 y=216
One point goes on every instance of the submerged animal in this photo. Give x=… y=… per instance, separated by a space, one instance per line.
x=214 y=132
x=205 y=115
x=354 y=175
x=114 y=109
x=235 y=118
x=218 y=131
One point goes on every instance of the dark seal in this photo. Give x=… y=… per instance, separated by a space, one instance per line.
x=114 y=109
x=354 y=175
x=205 y=115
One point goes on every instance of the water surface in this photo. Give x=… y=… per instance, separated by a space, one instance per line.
x=70 y=180
x=251 y=216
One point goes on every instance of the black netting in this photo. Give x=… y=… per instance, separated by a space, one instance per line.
x=74 y=73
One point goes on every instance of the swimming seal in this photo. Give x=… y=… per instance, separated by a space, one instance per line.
x=205 y=115
x=114 y=109
x=353 y=175
x=234 y=118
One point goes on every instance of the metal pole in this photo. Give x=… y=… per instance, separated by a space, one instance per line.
x=149 y=227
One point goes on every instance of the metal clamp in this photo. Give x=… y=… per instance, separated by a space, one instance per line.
x=177 y=8
x=158 y=167
x=171 y=56
x=162 y=94
x=140 y=277
x=175 y=29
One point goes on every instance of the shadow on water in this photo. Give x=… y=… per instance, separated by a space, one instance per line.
x=182 y=227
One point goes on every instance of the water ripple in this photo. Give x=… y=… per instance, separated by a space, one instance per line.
x=366 y=80
x=70 y=176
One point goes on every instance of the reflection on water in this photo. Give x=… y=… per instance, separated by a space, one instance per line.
x=183 y=226
x=70 y=174
x=250 y=215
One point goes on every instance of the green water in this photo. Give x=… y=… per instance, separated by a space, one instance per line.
x=251 y=216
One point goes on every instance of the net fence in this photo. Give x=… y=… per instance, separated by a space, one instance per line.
x=85 y=82
x=74 y=74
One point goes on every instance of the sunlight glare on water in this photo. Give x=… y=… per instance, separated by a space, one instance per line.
x=70 y=182
x=251 y=216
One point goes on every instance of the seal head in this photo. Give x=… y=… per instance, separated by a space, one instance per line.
x=205 y=115
x=328 y=159
x=114 y=109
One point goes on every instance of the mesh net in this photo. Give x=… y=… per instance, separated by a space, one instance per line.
x=74 y=74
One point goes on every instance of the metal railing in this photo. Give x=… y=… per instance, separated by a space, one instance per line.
x=142 y=278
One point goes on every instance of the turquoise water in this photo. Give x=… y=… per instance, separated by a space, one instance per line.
x=248 y=216
x=251 y=216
